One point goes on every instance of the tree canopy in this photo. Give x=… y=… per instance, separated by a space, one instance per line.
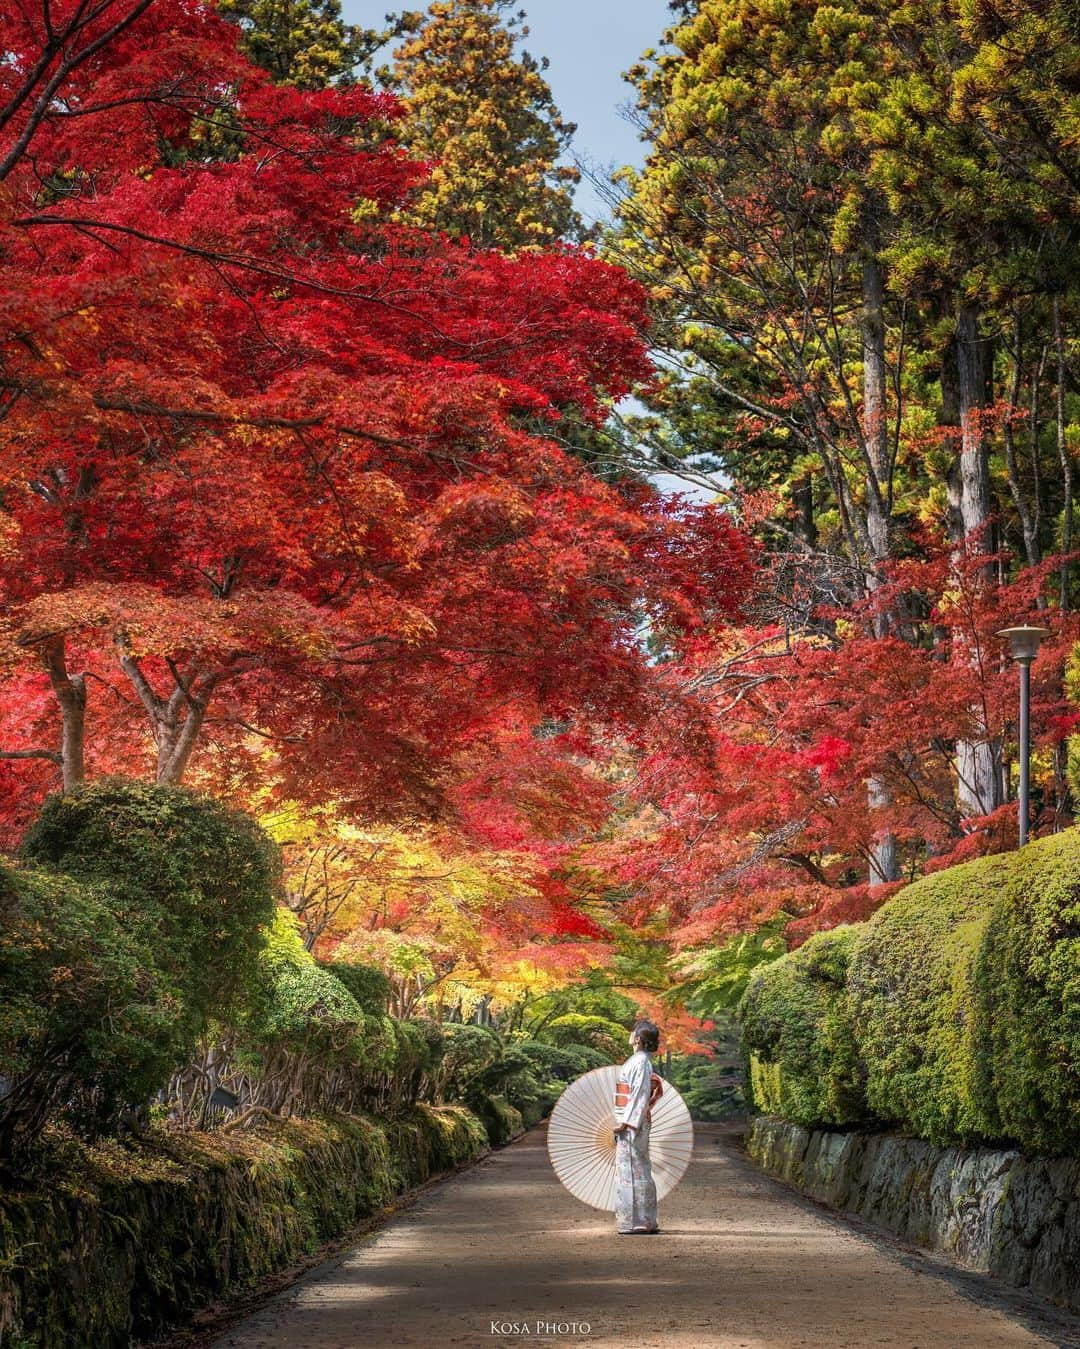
x=482 y=114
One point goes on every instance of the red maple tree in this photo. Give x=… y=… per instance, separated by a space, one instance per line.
x=754 y=799
x=273 y=501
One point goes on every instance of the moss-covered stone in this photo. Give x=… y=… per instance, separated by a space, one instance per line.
x=992 y=1210
x=110 y=1243
x=501 y=1120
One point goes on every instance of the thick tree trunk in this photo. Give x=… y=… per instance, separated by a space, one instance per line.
x=875 y=410
x=978 y=760
x=884 y=866
x=177 y=735
x=70 y=691
x=1028 y=515
x=884 y=863
x=176 y=721
x=1064 y=458
x=973 y=356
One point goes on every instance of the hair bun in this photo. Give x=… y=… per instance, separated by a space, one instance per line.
x=647 y=1036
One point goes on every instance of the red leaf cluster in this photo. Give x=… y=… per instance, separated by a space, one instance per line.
x=273 y=506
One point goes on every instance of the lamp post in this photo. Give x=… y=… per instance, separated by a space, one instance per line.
x=1024 y=645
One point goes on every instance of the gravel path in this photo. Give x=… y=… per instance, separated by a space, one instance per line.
x=502 y=1255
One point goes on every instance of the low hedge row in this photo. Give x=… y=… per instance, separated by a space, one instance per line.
x=953 y=1014
x=147 y=967
x=113 y=1243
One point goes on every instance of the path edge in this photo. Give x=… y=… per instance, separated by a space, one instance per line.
x=1056 y=1324
x=208 y=1323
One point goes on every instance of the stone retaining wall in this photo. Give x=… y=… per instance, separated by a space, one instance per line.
x=1015 y=1217
x=107 y=1245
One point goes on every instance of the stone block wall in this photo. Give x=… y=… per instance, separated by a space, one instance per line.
x=998 y=1212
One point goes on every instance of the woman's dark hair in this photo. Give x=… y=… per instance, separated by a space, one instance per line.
x=648 y=1036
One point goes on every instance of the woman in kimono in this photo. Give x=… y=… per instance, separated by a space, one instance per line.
x=636 y=1090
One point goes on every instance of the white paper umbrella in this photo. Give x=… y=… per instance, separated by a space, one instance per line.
x=581 y=1139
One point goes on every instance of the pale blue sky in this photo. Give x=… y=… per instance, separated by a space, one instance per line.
x=589 y=44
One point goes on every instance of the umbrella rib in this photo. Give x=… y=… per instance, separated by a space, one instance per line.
x=588 y=1164
x=581 y=1147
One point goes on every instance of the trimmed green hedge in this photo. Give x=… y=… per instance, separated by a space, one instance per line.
x=113 y=1244
x=1028 y=983
x=302 y=1043
x=917 y=1007
x=136 y=919
x=199 y=879
x=84 y=1012
x=143 y=959
x=368 y=985
x=957 y=1017
x=797 y=1021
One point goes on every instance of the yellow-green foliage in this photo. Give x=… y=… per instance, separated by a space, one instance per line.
x=502 y=1120
x=797 y=1027
x=110 y=1244
x=765 y=1090
x=912 y=995
x=958 y=1016
x=482 y=114
x=301 y=42
x=1028 y=985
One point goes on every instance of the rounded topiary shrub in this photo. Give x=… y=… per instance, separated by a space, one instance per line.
x=87 y=1022
x=368 y=985
x=470 y=1054
x=912 y=983
x=594 y=1032
x=796 y=1024
x=300 y=1027
x=198 y=880
x=415 y=1055
x=1027 y=983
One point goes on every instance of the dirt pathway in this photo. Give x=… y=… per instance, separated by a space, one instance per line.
x=742 y=1264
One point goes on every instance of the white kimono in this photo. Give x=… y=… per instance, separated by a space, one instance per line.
x=635 y=1190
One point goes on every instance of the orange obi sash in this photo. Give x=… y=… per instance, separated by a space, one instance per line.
x=622 y=1094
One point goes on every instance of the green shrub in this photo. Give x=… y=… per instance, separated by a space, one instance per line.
x=294 y=1004
x=501 y=1120
x=535 y=1073
x=302 y=1042
x=1027 y=986
x=368 y=985
x=565 y=1063
x=193 y=878
x=713 y=1085
x=796 y=1022
x=913 y=997
x=505 y=1082
x=594 y=1032
x=85 y=1017
x=470 y=1051
x=963 y=994
x=139 y=920
x=416 y=1059
x=518 y=1079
